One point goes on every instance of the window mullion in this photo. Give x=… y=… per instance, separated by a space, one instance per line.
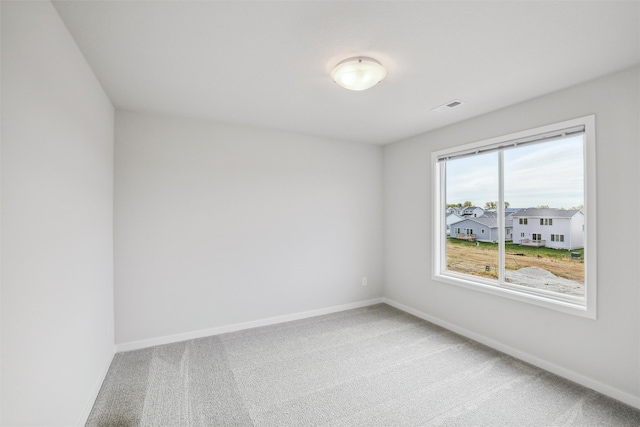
x=501 y=218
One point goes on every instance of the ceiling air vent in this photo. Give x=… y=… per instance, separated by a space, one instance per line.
x=448 y=106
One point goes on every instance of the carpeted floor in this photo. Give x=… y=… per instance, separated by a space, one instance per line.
x=374 y=366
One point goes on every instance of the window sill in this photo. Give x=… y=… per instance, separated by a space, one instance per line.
x=564 y=303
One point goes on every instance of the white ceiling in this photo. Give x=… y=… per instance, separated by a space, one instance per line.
x=267 y=63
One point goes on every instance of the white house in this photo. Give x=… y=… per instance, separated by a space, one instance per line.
x=465 y=211
x=451 y=219
x=472 y=211
x=553 y=228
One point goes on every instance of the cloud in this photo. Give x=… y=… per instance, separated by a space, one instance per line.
x=549 y=173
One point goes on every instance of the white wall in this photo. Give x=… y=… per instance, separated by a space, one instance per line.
x=220 y=224
x=604 y=351
x=57 y=216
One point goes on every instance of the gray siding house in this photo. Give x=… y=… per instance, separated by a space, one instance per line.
x=483 y=229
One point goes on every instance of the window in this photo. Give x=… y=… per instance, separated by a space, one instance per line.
x=508 y=170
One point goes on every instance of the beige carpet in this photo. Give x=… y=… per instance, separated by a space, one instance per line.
x=374 y=366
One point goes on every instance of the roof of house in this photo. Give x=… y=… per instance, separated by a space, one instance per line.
x=489 y=221
x=546 y=212
x=507 y=212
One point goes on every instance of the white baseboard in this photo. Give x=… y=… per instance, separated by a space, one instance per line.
x=94 y=392
x=136 y=345
x=605 y=389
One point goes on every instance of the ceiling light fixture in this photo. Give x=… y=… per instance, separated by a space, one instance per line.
x=358 y=73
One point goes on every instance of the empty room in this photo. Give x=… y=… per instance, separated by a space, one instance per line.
x=327 y=213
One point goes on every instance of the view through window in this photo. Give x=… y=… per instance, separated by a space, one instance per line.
x=514 y=214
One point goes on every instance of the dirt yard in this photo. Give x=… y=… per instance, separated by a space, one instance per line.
x=471 y=259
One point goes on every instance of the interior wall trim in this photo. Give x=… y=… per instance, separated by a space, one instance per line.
x=561 y=371
x=169 y=339
x=95 y=390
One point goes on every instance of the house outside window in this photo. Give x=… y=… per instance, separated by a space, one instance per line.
x=552 y=222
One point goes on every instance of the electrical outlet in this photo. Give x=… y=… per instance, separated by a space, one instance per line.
x=364 y=281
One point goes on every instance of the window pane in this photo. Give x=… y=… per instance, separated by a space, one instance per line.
x=471 y=200
x=544 y=185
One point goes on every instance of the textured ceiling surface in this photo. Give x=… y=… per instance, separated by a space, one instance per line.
x=267 y=63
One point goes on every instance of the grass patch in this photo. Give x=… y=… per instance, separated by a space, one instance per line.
x=513 y=249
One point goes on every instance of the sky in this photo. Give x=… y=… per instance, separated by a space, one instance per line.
x=548 y=173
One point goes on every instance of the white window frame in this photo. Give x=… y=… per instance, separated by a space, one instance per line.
x=584 y=307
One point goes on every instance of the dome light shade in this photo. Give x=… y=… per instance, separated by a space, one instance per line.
x=358 y=73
